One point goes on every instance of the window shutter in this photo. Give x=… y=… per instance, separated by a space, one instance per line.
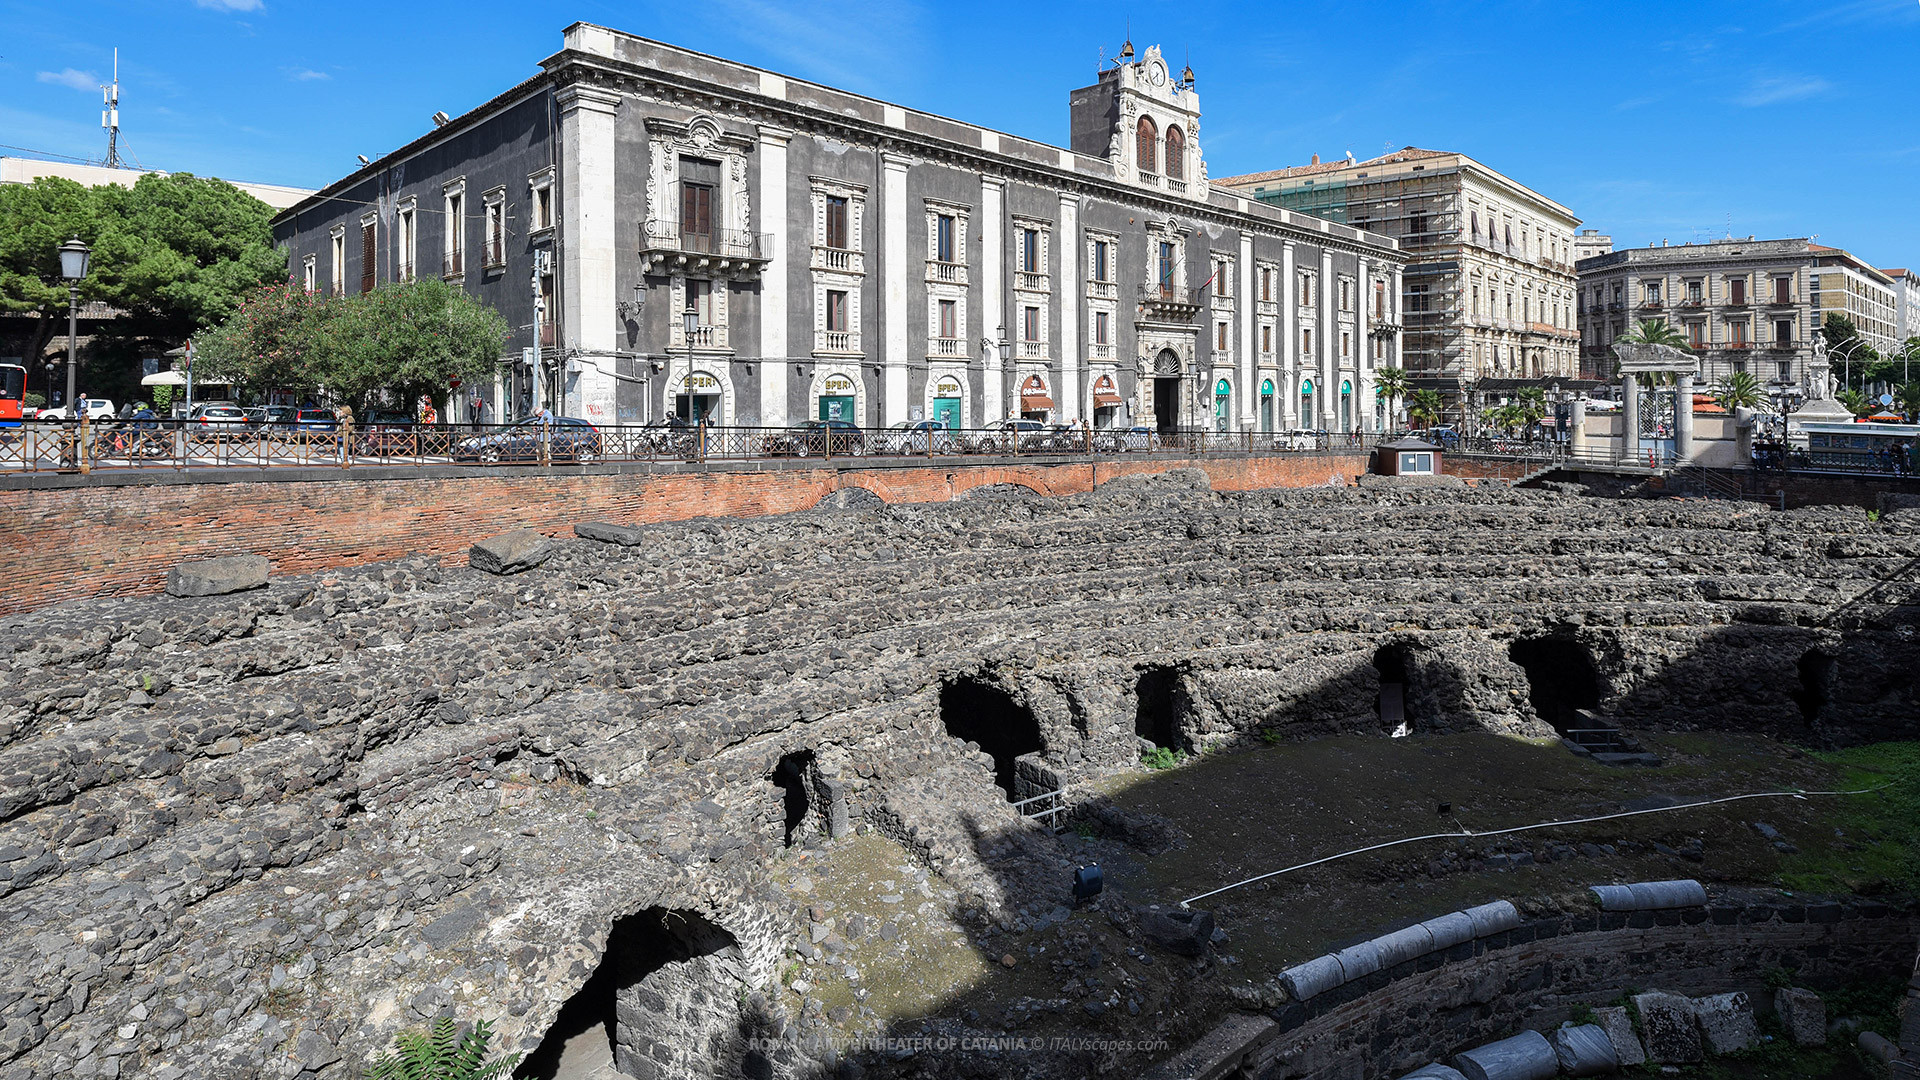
x=369 y=255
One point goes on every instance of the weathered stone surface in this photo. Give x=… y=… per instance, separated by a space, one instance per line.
x=216 y=577
x=1803 y=1014
x=1435 y=1071
x=1183 y=932
x=608 y=533
x=510 y=552
x=1672 y=1032
x=1618 y=1026
x=1726 y=1022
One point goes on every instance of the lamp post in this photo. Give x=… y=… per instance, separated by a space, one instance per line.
x=73 y=267
x=1005 y=346
x=1846 y=358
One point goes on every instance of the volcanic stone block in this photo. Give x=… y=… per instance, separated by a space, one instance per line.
x=609 y=533
x=1667 y=1021
x=1435 y=1071
x=1526 y=1056
x=1186 y=933
x=216 y=577
x=511 y=552
x=833 y=792
x=1585 y=1050
x=1650 y=895
x=1726 y=1022
x=1803 y=1014
x=1316 y=976
x=1490 y=919
x=1618 y=1026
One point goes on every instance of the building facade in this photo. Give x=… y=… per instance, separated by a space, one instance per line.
x=1906 y=302
x=1589 y=243
x=18 y=170
x=1744 y=305
x=1844 y=285
x=1489 y=286
x=683 y=235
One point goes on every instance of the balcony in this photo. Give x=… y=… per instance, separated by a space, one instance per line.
x=1783 y=346
x=1103 y=290
x=1780 y=302
x=666 y=248
x=1737 y=345
x=947 y=346
x=1099 y=351
x=1694 y=302
x=454 y=264
x=1654 y=304
x=549 y=334
x=699 y=337
x=843 y=342
x=1149 y=177
x=1267 y=307
x=1169 y=303
x=945 y=273
x=1028 y=281
x=1733 y=302
x=1032 y=350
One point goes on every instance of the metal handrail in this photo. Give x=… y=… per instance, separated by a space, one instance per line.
x=660 y=234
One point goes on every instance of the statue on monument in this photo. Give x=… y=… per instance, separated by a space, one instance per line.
x=1819 y=371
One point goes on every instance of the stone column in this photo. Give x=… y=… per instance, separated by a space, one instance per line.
x=894 y=306
x=1248 y=301
x=1577 y=425
x=775 y=282
x=1683 y=417
x=1629 y=416
x=1291 y=362
x=1329 y=359
x=589 y=225
x=993 y=296
x=1069 y=297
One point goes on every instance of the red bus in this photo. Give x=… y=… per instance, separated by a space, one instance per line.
x=13 y=390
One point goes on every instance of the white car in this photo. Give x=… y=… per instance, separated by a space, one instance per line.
x=95 y=408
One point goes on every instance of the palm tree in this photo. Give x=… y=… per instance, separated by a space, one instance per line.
x=1423 y=408
x=1740 y=390
x=1391 y=383
x=1910 y=398
x=1855 y=401
x=1657 y=332
x=1532 y=403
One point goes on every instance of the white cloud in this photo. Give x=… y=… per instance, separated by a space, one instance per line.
x=74 y=80
x=306 y=74
x=231 y=5
x=1775 y=91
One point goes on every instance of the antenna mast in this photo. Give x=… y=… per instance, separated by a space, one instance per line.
x=110 y=115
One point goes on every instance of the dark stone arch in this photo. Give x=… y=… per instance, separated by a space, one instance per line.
x=1561 y=677
x=1816 y=684
x=976 y=710
x=1161 y=702
x=797 y=778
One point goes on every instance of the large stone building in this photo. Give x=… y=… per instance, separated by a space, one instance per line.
x=1489 y=284
x=1906 y=301
x=1744 y=305
x=19 y=170
x=712 y=240
x=1844 y=285
x=1589 y=243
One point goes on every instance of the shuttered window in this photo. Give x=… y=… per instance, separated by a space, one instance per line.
x=369 y=258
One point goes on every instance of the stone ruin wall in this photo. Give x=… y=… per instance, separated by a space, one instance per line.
x=256 y=835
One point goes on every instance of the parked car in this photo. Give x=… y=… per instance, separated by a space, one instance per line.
x=1006 y=436
x=271 y=415
x=816 y=437
x=315 y=421
x=384 y=431
x=223 y=416
x=567 y=438
x=917 y=437
x=95 y=408
x=1121 y=440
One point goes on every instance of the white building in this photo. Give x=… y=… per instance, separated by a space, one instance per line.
x=16 y=170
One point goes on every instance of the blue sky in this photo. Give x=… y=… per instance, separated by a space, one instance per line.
x=1649 y=121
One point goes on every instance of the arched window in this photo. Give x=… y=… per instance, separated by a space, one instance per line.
x=1149 y=144
x=1176 y=153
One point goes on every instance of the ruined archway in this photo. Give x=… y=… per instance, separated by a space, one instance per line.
x=1390 y=664
x=1816 y=684
x=663 y=1002
x=1159 y=705
x=795 y=777
x=1561 y=678
x=977 y=711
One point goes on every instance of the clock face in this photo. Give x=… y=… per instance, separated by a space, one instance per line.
x=1157 y=73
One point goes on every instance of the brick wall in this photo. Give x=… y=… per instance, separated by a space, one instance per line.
x=108 y=536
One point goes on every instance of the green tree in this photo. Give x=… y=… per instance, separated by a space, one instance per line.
x=1855 y=401
x=1838 y=330
x=1657 y=332
x=35 y=219
x=1423 y=408
x=1740 y=390
x=442 y=1052
x=1532 y=403
x=1391 y=383
x=1909 y=398
x=276 y=341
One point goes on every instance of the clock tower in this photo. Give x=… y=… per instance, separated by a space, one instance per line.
x=1146 y=120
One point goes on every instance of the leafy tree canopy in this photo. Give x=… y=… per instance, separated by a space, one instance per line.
x=403 y=341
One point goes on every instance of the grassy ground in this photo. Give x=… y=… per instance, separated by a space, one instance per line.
x=1880 y=848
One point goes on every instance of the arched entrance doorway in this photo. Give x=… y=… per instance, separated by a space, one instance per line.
x=947 y=396
x=1222 y=405
x=1035 y=402
x=838 y=399
x=697 y=398
x=1266 y=405
x=1307 y=410
x=1346 y=405
x=1106 y=402
x=1166 y=390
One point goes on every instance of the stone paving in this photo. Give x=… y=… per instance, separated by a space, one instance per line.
x=258 y=834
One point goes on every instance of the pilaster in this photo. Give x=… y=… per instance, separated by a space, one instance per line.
x=1247 y=306
x=1070 y=298
x=894 y=307
x=1290 y=359
x=993 y=298
x=775 y=279
x=588 y=225
x=1329 y=358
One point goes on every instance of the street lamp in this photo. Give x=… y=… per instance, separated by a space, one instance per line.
x=1846 y=368
x=73 y=267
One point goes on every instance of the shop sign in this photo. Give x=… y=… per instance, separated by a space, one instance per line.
x=837 y=385
x=698 y=382
x=947 y=387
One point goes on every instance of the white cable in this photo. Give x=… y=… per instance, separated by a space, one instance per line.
x=1465 y=832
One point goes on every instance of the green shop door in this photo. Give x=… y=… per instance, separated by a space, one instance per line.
x=946 y=412
x=836 y=408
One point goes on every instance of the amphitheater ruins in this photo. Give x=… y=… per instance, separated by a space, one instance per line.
x=737 y=797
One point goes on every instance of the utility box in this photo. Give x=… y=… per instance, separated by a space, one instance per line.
x=1407 y=456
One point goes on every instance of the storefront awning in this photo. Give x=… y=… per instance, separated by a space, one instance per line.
x=1106 y=401
x=1035 y=402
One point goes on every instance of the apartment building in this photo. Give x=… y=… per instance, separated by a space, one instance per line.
x=1906 y=302
x=696 y=237
x=1489 y=284
x=1744 y=305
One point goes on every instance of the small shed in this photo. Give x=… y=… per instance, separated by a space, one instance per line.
x=1407 y=456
